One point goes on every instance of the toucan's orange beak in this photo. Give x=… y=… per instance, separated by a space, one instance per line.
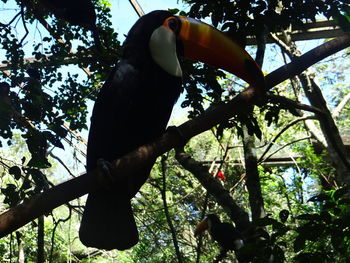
x=201 y=227
x=202 y=42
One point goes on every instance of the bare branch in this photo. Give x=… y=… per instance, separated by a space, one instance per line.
x=261 y=159
x=75 y=134
x=62 y=163
x=222 y=196
x=166 y=210
x=24 y=25
x=137 y=7
x=284 y=146
x=340 y=106
x=293 y=104
x=11 y=21
x=311 y=57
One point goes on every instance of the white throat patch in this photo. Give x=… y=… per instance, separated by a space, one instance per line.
x=162 y=45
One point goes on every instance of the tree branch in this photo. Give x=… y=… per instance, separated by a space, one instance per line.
x=292 y=104
x=311 y=57
x=281 y=132
x=340 y=106
x=166 y=210
x=282 y=147
x=223 y=197
x=335 y=146
x=256 y=200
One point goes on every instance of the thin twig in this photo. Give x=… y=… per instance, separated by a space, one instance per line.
x=54 y=231
x=281 y=132
x=166 y=210
x=11 y=21
x=24 y=25
x=340 y=106
x=284 y=146
x=62 y=163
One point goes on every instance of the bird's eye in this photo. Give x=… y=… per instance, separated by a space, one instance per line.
x=173 y=24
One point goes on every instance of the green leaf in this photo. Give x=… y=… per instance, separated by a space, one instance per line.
x=284 y=214
x=299 y=243
x=319 y=198
x=326 y=217
x=310 y=217
x=174 y=11
x=278 y=254
x=340 y=193
x=343 y=21
x=264 y=221
x=15 y=171
x=11 y=195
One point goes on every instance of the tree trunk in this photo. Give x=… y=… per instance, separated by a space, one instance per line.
x=40 y=251
x=335 y=146
x=21 y=258
x=253 y=181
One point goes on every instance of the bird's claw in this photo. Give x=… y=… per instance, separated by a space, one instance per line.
x=105 y=177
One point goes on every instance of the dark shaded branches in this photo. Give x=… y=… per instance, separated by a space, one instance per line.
x=222 y=196
x=335 y=146
x=166 y=210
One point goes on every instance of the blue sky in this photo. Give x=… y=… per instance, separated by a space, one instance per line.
x=124 y=16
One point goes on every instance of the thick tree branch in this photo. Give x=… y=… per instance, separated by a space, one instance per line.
x=292 y=104
x=223 y=197
x=311 y=57
x=32 y=208
x=125 y=166
x=206 y=198
x=335 y=146
x=256 y=200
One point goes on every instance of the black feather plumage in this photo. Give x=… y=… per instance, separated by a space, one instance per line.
x=132 y=109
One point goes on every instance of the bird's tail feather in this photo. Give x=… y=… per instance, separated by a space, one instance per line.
x=108 y=222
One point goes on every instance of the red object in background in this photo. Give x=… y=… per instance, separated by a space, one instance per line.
x=220 y=175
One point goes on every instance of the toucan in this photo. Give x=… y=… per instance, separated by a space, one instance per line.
x=227 y=236
x=134 y=105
